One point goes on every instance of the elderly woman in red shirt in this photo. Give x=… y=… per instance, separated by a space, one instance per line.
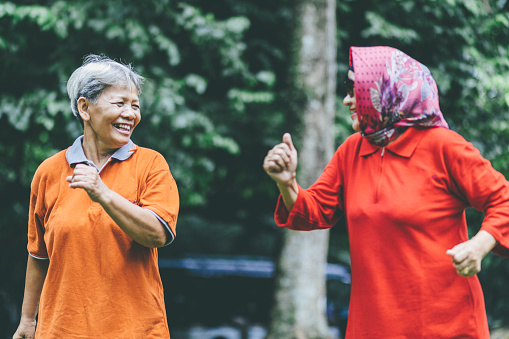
x=403 y=184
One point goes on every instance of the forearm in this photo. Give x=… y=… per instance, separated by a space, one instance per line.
x=138 y=223
x=289 y=193
x=34 y=281
x=485 y=242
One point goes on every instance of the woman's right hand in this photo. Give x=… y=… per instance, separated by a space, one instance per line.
x=281 y=162
x=26 y=330
x=281 y=165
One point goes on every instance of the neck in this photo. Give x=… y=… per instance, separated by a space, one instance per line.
x=93 y=151
x=385 y=136
x=392 y=140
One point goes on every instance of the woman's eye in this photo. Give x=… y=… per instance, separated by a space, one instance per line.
x=136 y=107
x=119 y=104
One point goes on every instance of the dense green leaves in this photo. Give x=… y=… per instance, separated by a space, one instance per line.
x=201 y=109
x=182 y=51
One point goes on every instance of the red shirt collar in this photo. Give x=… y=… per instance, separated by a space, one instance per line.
x=404 y=146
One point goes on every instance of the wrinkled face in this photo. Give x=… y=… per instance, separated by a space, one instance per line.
x=111 y=121
x=350 y=101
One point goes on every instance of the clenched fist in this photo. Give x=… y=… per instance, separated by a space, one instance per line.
x=87 y=178
x=281 y=161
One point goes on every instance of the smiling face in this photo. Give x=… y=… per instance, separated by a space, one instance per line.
x=110 y=122
x=351 y=102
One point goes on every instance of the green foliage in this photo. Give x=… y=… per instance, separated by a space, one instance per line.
x=385 y=29
x=182 y=51
x=208 y=106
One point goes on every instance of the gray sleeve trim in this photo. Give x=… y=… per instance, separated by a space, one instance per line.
x=41 y=258
x=171 y=236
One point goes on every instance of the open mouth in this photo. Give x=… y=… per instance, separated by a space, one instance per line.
x=123 y=127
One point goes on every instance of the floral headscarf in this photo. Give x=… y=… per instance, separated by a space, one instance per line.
x=393 y=91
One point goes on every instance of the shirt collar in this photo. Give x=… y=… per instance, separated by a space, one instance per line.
x=404 y=146
x=76 y=155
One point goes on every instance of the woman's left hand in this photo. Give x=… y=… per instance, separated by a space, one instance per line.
x=88 y=178
x=467 y=256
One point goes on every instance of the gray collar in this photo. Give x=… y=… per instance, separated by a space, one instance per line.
x=75 y=154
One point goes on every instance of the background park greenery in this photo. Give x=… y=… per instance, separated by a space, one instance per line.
x=217 y=99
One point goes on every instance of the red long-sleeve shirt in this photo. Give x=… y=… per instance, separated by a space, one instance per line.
x=404 y=206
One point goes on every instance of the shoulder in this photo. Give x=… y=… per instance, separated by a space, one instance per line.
x=148 y=153
x=350 y=148
x=50 y=170
x=52 y=165
x=348 y=151
x=447 y=144
x=441 y=140
x=440 y=135
x=149 y=156
x=354 y=140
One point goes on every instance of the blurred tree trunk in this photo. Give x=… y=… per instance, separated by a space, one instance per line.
x=300 y=296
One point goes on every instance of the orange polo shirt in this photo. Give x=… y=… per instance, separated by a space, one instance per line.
x=100 y=282
x=404 y=207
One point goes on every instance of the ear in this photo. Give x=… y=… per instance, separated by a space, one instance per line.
x=83 y=108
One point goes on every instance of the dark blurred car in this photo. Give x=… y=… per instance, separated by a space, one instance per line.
x=230 y=297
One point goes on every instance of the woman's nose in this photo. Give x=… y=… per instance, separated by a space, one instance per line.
x=129 y=113
x=347 y=100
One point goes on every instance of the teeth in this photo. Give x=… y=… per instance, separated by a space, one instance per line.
x=123 y=126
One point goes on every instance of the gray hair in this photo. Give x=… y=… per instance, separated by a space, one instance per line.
x=97 y=74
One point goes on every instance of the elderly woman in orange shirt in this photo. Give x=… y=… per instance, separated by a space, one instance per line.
x=403 y=184
x=98 y=212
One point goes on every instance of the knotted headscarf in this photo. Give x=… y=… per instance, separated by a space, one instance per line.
x=393 y=92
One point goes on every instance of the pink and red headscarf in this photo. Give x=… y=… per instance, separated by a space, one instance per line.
x=393 y=92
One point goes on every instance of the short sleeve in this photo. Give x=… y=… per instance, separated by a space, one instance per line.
x=160 y=194
x=36 y=245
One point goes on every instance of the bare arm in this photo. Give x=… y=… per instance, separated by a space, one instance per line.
x=35 y=275
x=289 y=194
x=467 y=256
x=281 y=165
x=137 y=222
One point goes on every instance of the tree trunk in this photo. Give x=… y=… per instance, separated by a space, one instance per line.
x=300 y=296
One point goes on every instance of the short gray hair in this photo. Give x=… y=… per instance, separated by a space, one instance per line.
x=97 y=74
